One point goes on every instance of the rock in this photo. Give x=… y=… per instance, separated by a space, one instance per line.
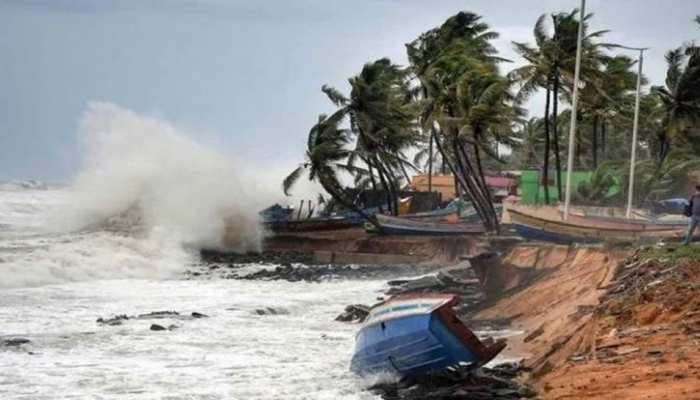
x=354 y=313
x=271 y=311
x=116 y=320
x=156 y=327
x=13 y=342
x=199 y=315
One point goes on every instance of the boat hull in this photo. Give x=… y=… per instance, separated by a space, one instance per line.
x=414 y=343
x=403 y=226
x=591 y=230
x=311 y=225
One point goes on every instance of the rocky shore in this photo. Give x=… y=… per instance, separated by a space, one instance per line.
x=595 y=322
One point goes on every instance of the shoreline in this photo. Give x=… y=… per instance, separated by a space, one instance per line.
x=562 y=299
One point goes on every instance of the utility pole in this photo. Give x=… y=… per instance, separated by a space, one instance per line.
x=574 y=104
x=635 y=127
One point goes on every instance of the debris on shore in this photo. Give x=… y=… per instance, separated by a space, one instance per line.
x=497 y=383
x=642 y=339
x=319 y=273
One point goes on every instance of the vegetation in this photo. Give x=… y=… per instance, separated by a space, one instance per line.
x=452 y=107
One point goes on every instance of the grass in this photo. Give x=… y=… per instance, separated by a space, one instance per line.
x=672 y=253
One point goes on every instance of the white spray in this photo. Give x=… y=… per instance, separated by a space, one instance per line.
x=180 y=187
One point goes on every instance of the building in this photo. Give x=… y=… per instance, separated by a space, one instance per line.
x=500 y=186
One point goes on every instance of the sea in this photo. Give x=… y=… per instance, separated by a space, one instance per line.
x=55 y=285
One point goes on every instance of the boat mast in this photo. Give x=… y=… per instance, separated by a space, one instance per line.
x=574 y=104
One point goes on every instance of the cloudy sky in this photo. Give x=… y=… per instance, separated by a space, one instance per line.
x=243 y=76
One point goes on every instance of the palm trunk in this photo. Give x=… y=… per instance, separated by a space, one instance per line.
x=374 y=183
x=603 y=140
x=557 y=157
x=594 y=142
x=545 y=172
x=387 y=191
x=471 y=184
x=339 y=197
x=430 y=162
x=484 y=187
x=405 y=173
x=389 y=181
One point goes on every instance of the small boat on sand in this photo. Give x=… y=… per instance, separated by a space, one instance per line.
x=553 y=228
x=416 y=334
x=405 y=226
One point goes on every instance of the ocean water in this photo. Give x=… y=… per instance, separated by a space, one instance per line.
x=55 y=284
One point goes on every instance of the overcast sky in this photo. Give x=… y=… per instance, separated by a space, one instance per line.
x=244 y=76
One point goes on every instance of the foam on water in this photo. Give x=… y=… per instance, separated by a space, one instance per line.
x=301 y=353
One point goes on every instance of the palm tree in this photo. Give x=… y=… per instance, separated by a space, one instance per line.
x=551 y=66
x=680 y=100
x=326 y=155
x=464 y=101
x=529 y=141
x=382 y=118
x=611 y=94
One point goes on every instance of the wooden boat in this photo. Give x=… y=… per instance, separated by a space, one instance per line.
x=412 y=335
x=404 y=226
x=312 y=224
x=590 y=229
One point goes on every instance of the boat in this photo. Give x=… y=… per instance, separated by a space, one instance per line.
x=405 y=226
x=416 y=334
x=551 y=227
x=312 y=224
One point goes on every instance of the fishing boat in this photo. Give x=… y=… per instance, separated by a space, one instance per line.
x=551 y=227
x=413 y=335
x=404 y=226
x=312 y=224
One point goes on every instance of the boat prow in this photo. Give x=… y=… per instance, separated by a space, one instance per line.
x=413 y=335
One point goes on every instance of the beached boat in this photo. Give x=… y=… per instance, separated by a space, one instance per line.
x=312 y=224
x=412 y=335
x=551 y=227
x=404 y=226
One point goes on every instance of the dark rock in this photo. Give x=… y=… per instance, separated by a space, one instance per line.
x=199 y=315
x=460 y=383
x=116 y=320
x=156 y=327
x=271 y=311
x=354 y=313
x=13 y=342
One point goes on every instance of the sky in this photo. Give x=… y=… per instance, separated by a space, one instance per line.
x=242 y=76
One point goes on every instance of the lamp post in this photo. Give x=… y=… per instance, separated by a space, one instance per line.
x=635 y=127
x=574 y=104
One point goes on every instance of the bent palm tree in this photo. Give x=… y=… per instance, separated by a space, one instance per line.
x=680 y=100
x=326 y=156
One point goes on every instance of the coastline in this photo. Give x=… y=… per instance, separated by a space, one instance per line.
x=561 y=303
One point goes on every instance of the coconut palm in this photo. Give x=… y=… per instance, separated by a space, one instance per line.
x=382 y=118
x=680 y=99
x=326 y=156
x=529 y=140
x=462 y=97
x=550 y=65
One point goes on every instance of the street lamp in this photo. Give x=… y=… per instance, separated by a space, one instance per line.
x=635 y=126
x=574 y=104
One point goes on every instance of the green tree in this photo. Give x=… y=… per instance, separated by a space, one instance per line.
x=680 y=101
x=383 y=120
x=465 y=101
x=326 y=156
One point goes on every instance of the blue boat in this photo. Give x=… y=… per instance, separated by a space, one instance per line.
x=414 y=335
